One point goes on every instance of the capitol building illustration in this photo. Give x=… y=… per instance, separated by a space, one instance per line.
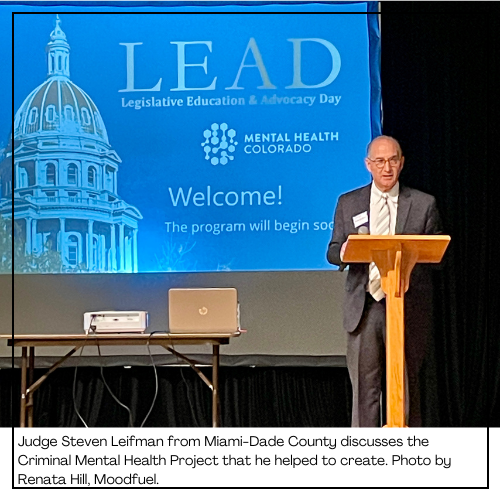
x=64 y=190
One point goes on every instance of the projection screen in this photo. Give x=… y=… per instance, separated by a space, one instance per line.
x=185 y=146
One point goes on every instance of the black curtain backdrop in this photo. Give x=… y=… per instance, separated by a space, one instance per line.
x=438 y=93
x=440 y=102
x=250 y=397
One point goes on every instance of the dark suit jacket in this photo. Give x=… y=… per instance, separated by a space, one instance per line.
x=417 y=214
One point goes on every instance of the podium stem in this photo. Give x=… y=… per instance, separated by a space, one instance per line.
x=395 y=349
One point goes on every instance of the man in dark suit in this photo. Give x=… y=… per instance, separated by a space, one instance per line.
x=383 y=207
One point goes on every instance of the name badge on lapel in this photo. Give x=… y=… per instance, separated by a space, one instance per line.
x=360 y=219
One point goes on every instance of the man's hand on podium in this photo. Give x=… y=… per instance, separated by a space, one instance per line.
x=342 y=250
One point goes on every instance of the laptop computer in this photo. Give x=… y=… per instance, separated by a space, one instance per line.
x=203 y=310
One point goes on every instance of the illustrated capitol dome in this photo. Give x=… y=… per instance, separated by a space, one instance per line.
x=65 y=176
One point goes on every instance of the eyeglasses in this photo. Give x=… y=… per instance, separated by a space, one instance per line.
x=380 y=162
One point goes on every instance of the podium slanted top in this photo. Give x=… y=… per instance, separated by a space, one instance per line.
x=428 y=248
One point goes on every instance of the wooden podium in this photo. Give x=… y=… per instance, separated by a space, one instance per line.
x=395 y=257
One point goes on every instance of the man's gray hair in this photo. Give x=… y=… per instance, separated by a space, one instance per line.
x=387 y=137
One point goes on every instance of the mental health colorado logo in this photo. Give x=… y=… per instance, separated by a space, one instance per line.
x=217 y=149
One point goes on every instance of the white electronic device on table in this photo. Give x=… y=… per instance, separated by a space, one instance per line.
x=115 y=321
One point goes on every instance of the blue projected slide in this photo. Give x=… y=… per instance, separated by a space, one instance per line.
x=184 y=139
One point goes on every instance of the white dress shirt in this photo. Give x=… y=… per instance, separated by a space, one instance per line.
x=376 y=203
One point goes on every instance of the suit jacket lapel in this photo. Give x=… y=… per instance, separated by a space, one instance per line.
x=363 y=203
x=404 y=204
x=365 y=197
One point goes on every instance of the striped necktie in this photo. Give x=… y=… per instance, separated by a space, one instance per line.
x=381 y=227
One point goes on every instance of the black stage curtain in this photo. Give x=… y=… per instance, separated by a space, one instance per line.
x=438 y=61
x=250 y=397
